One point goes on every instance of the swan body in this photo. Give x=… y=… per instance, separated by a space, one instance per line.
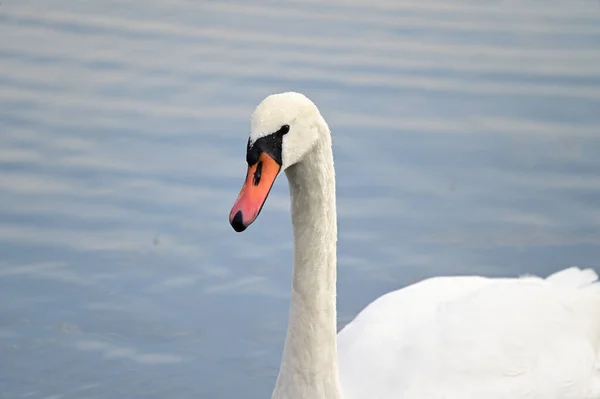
x=475 y=337
x=444 y=337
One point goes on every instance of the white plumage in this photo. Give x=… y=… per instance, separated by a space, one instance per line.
x=474 y=337
x=442 y=338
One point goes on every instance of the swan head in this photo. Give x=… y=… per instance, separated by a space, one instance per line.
x=284 y=127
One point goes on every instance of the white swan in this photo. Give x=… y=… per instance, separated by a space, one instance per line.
x=445 y=337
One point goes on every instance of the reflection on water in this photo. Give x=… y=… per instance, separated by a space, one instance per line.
x=466 y=141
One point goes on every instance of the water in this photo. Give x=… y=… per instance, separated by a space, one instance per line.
x=466 y=138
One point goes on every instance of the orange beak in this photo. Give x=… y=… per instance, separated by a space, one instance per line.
x=259 y=180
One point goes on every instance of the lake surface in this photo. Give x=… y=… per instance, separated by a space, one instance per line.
x=466 y=139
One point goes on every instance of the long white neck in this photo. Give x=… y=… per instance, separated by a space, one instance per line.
x=309 y=368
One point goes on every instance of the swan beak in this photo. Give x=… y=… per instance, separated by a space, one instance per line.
x=259 y=180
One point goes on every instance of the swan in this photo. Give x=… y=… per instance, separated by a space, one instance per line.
x=456 y=337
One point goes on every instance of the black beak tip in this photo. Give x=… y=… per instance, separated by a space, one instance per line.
x=238 y=222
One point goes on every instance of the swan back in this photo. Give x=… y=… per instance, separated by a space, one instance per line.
x=475 y=337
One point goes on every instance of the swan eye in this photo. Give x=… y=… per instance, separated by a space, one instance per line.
x=284 y=129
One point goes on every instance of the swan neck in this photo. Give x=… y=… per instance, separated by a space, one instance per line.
x=309 y=366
